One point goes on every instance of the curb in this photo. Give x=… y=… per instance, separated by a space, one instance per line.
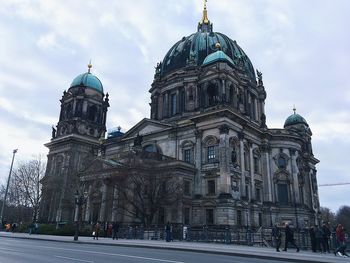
x=194 y=250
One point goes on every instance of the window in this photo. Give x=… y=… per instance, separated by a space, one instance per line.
x=187 y=156
x=247 y=191
x=260 y=219
x=187 y=187
x=182 y=100
x=211 y=187
x=187 y=216
x=282 y=194
x=209 y=216
x=239 y=218
x=211 y=154
x=282 y=162
x=173 y=104
x=258 y=194
x=92 y=112
x=246 y=160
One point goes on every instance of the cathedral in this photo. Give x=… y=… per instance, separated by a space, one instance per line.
x=204 y=157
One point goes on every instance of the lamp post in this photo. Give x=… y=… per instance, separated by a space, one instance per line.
x=80 y=199
x=7 y=187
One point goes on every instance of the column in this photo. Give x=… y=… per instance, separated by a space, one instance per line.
x=115 y=204
x=224 y=180
x=266 y=155
x=293 y=163
x=198 y=163
x=88 y=205
x=252 y=177
x=103 y=202
x=241 y=146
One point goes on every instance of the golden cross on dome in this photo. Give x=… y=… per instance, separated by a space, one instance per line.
x=205 y=19
x=89 y=66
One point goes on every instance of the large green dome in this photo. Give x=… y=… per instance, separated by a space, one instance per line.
x=295 y=119
x=196 y=47
x=87 y=80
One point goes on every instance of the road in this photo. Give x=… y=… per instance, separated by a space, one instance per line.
x=28 y=251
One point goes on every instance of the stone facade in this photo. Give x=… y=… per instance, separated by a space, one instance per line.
x=207 y=131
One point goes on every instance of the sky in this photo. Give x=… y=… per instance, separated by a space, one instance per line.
x=301 y=47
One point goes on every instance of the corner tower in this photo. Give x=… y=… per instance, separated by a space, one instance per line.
x=74 y=142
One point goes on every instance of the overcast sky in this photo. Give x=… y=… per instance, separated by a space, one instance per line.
x=302 y=48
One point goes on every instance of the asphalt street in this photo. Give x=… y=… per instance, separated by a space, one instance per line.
x=30 y=251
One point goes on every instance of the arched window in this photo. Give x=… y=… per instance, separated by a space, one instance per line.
x=257 y=163
x=213 y=94
x=211 y=149
x=92 y=112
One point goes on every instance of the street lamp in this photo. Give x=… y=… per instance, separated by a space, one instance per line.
x=80 y=199
x=7 y=187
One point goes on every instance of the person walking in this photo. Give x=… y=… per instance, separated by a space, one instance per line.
x=319 y=239
x=341 y=242
x=313 y=238
x=289 y=238
x=276 y=233
x=115 y=229
x=167 y=232
x=326 y=237
x=96 y=230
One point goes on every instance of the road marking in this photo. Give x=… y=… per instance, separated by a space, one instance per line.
x=74 y=259
x=107 y=254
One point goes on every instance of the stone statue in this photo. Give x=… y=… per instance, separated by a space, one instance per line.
x=263 y=121
x=138 y=140
x=53 y=132
x=260 y=80
x=234 y=157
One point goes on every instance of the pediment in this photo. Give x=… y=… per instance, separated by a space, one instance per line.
x=146 y=126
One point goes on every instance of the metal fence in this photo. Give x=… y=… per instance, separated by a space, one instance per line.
x=226 y=235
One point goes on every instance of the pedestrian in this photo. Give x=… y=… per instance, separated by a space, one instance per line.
x=289 y=235
x=13 y=227
x=326 y=237
x=96 y=230
x=167 y=232
x=36 y=228
x=115 y=229
x=313 y=238
x=319 y=239
x=276 y=233
x=110 y=230
x=341 y=242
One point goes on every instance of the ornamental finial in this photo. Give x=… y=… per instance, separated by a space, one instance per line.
x=294 y=109
x=205 y=19
x=89 y=66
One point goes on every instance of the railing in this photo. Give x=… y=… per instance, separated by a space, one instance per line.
x=214 y=234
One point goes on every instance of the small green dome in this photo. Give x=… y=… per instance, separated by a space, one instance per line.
x=88 y=80
x=217 y=56
x=295 y=119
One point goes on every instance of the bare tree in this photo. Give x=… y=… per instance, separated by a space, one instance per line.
x=328 y=216
x=141 y=196
x=25 y=189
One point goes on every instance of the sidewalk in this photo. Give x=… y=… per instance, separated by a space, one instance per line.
x=212 y=248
